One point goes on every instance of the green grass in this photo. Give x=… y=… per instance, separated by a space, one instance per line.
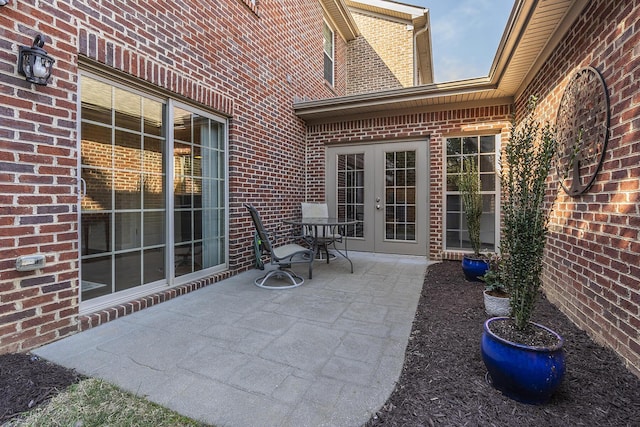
x=93 y=402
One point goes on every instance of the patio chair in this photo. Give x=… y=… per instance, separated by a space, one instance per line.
x=318 y=236
x=281 y=256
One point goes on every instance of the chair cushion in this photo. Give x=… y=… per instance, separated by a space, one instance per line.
x=286 y=251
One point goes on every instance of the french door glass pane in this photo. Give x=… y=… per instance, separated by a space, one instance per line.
x=400 y=184
x=350 y=191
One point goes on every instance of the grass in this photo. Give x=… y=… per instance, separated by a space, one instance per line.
x=93 y=402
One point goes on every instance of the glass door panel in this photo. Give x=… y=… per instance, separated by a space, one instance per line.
x=130 y=241
x=400 y=184
x=124 y=183
x=199 y=182
x=350 y=191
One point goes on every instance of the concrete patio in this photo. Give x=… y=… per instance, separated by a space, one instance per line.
x=325 y=354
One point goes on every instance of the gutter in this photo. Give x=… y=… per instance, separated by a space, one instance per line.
x=382 y=98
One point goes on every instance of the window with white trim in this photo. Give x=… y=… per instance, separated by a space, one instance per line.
x=483 y=150
x=328 y=53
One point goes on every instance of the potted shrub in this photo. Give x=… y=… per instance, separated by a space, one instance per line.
x=524 y=360
x=473 y=266
x=496 y=296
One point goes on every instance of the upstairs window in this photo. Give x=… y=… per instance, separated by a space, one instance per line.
x=328 y=53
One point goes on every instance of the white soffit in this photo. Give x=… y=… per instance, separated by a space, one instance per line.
x=389 y=8
x=340 y=16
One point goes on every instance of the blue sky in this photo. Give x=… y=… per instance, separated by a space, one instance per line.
x=465 y=35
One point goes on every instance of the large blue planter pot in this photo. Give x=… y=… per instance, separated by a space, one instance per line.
x=523 y=373
x=473 y=268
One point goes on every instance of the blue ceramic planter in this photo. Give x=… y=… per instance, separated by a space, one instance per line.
x=523 y=373
x=473 y=268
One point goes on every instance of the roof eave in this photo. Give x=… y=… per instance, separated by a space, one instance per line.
x=345 y=106
x=340 y=16
x=504 y=82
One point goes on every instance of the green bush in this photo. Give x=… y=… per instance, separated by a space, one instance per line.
x=469 y=186
x=529 y=158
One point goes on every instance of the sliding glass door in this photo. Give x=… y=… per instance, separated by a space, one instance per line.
x=148 y=221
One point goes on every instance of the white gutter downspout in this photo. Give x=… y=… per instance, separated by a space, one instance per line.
x=416 y=77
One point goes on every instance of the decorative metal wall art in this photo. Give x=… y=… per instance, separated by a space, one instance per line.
x=582 y=126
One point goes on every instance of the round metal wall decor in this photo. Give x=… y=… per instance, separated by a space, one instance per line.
x=582 y=127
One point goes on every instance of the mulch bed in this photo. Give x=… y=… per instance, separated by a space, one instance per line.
x=27 y=381
x=443 y=379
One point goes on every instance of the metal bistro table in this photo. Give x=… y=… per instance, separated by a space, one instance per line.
x=317 y=223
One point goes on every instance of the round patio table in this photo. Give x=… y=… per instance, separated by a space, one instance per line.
x=317 y=223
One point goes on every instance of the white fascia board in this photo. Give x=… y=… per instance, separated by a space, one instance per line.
x=414 y=11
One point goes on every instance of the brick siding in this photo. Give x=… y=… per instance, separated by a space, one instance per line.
x=381 y=57
x=432 y=127
x=248 y=62
x=592 y=266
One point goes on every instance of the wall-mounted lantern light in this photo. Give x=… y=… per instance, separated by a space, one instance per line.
x=34 y=63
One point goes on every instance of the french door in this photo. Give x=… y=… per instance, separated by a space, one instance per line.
x=384 y=188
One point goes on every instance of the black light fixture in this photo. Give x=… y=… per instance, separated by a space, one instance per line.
x=34 y=63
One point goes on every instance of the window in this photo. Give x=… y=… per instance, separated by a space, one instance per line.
x=483 y=150
x=153 y=210
x=328 y=53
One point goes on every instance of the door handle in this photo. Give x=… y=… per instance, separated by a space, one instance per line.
x=378 y=207
x=83 y=188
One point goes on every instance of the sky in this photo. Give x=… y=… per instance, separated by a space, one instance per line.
x=465 y=35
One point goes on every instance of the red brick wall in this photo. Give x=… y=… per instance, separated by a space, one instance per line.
x=432 y=127
x=592 y=267
x=249 y=63
x=37 y=185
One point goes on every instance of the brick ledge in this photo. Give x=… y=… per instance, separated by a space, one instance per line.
x=91 y=320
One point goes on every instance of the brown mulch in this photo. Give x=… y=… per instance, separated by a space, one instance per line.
x=443 y=379
x=27 y=381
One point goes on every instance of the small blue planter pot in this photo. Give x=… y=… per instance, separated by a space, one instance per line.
x=523 y=373
x=473 y=268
